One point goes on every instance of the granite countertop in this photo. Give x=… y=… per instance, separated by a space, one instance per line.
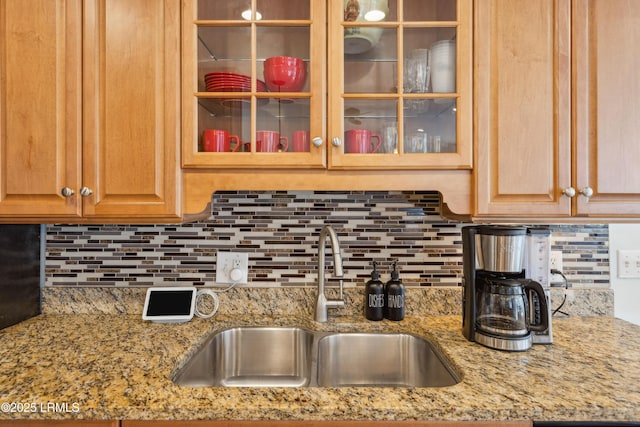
x=114 y=366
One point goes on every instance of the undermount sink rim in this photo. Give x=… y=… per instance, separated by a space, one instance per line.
x=313 y=357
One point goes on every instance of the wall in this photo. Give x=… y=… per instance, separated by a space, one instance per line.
x=626 y=291
x=280 y=230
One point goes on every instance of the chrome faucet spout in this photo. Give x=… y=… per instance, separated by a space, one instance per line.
x=322 y=303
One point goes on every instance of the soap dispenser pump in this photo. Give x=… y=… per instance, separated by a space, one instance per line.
x=394 y=296
x=374 y=296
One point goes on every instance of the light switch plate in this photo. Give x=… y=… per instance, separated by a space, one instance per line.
x=628 y=264
x=232 y=268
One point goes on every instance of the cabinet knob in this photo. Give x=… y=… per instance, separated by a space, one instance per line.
x=86 y=191
x=67 y=192
x=587 y=192
x=569 y=192
x=317 y=141
x=336 y=141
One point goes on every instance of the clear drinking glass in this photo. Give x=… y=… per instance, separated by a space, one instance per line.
x=416 y=142
x=389 y=138
x=420 y=59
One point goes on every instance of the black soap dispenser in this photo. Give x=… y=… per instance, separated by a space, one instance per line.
x=374 y=296
x=394 y=296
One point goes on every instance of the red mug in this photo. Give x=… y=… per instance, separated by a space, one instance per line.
x=270 y=141
x=300 y=140
x=361 y=141
x=219 y=140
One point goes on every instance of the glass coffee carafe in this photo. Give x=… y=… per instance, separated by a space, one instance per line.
x=503 y=308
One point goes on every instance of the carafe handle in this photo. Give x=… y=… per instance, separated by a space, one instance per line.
x=544 y=309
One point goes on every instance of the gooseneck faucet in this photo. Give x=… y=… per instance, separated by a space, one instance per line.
x=322 y=303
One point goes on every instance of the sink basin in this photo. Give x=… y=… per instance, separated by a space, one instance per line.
x=251 y=357
x=297 y=357
x=392 y=360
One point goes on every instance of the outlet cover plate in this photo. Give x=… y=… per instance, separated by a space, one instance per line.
x=232 y=268
x=555 y=263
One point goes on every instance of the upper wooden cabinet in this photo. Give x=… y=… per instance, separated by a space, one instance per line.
x=606 y=110
x=40 y=107
x=556 y=97
x=385 y=91
x=522 y=76
x=131 y=103
x=376 y=114
x=89 y=107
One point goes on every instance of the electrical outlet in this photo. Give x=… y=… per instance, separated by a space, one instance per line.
x=232 y=268
x=628 y=264
x=555 y=263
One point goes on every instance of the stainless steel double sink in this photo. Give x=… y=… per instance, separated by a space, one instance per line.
x=297 y=357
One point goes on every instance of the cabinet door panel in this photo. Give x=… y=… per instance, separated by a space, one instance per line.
x=236 y=84
x=407 y=80
x=131 y=103
x=40 y=117
x=522 y=106
x=607 y=94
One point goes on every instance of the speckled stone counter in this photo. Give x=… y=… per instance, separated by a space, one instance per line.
x=115 y=366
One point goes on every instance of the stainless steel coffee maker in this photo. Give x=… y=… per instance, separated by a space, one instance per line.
x=497 y=298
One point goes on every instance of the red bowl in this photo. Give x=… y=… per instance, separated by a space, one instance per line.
x=285 y=74
x=283 y=60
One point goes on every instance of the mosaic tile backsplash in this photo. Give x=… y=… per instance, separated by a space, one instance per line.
x=279 y=231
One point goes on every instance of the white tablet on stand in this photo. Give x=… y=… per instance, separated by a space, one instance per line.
x=169 y=304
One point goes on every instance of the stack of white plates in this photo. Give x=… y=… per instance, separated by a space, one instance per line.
x=443 y=66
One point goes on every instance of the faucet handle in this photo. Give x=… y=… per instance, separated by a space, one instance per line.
x=335 y=303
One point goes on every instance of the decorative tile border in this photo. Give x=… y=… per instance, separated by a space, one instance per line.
x=280 y=232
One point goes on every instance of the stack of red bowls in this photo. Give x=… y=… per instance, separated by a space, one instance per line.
x=231 y=82
x=285 y=74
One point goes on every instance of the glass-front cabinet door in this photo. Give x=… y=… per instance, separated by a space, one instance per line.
x=400 y=84
x=254 y=83
x=344 y=84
